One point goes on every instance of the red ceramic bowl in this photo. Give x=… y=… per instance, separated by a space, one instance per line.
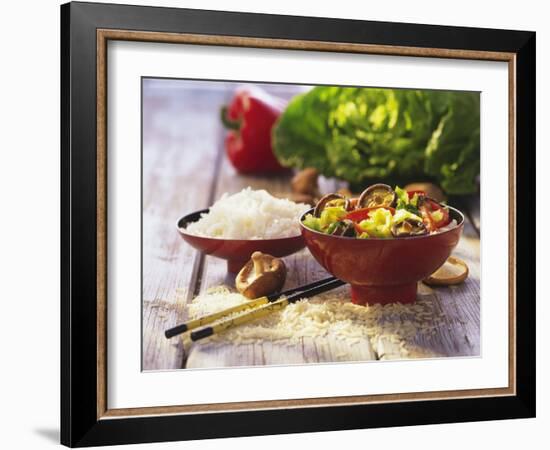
x=383 y=270
x=237 y=251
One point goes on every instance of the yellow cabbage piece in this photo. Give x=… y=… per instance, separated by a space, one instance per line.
x=378 y=224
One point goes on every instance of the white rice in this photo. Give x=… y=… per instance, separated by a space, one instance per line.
x=250 y=214
x=328 y=314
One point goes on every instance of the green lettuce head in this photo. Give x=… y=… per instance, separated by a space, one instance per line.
x=365 y=135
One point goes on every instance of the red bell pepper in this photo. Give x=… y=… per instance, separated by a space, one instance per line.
x=250 y=117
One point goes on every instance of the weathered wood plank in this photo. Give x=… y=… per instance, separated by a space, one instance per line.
x=178 y=146
x=307 y=350
x=181 y=146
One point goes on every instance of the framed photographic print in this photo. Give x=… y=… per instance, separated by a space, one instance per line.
x=277 y=224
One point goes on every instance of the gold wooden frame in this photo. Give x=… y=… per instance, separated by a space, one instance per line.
x=103 y=36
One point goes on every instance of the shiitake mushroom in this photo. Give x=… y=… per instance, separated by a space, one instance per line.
x=377 y=195
x=329 y=200
x=409 y=227
x=262 y=275
x=453 y=271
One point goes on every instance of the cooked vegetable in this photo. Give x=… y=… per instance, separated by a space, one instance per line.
x=377 y=195
x=403 y=214
x=343 y=228
x=262 y=275
x=312 y=222
x=378 y=224
x=414 y=215
x=327 y=201
x=363 y=213
x=409 y=227
x=436 y=216
x=399 y=135
x=332 y=214
x=408 y=200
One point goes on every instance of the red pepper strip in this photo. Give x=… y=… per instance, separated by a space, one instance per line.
x=250 y=117
x=427 y=218
x=361 y=214
x=430 y=206
x=437 y=207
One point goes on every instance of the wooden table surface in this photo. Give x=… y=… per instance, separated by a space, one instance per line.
x=185 y=169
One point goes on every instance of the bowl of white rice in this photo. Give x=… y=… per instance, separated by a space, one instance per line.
x=237 y=225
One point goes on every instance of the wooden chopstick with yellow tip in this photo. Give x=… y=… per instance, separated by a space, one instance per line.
x=205 y=320
x=264 y=310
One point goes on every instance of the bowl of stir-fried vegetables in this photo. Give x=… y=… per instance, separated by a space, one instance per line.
x=382 y=242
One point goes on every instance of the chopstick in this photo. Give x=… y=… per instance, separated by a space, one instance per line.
x=201 y=321
x=263 y=310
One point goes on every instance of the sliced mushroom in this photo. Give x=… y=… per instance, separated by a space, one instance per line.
x=349 y=196
x=453 y=271
x=409 y=227
x=329 y=200
x=344 y=228
x=377 y=195
x=262 y=275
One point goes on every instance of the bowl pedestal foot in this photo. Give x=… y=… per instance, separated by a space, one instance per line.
x=235 y=266
x=369 y=295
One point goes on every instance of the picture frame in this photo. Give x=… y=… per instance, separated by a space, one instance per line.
x=86 y=418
